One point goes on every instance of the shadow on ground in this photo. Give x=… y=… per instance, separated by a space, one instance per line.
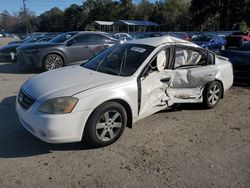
x=13 y=68
x=16 y=142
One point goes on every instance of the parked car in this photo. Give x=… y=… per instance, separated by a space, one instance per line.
x=180 y=35
x=211 y=42
x=66 y=49
x=237 y=39
x=10 y=49
x=240 y=59
x=119 y=86
x=123 y=36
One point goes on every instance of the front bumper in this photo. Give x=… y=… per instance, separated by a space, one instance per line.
x=31 y=60
x=53 y=128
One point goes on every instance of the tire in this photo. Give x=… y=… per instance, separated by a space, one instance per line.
x=100 y=129
x=212 y=94
x=52 y=61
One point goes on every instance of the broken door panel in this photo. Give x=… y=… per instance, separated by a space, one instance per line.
x=153 y=93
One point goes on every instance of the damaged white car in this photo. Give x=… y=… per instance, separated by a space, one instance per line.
x=119 y=86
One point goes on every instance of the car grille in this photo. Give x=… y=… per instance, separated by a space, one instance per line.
x=24 y=100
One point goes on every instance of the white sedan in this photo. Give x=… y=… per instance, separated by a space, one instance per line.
x=119 y=86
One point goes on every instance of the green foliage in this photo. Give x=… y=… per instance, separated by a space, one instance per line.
x=243 y=26
x=170 y=14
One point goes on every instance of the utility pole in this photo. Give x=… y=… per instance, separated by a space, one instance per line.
x=25 y=16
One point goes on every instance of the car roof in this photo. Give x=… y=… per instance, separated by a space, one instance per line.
x=93 y=32
x=157 y=41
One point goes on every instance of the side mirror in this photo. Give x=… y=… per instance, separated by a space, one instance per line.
x=71 y=42
x=161 y=60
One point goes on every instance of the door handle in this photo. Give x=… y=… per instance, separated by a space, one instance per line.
x=208 y=75
x=165 y=80
x=85 y=46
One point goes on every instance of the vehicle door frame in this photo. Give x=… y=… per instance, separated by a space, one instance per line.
x=144 y=73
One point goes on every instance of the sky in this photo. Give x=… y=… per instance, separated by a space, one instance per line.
x=38 y=6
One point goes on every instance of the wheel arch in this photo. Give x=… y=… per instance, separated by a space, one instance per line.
x=126 y=107
x=222 y=86
x=57 y=53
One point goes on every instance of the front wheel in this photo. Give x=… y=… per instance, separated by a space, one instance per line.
x=106 y=124
x=212 y=94
x=52 y=61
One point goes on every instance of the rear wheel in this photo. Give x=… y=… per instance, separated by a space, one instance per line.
x=52 y=61
x=212 y=94
x=106 y=124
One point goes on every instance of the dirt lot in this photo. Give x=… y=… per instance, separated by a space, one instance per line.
x=6 y=40
x=187 y=147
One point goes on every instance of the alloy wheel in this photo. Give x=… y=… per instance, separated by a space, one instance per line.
x=53 y=62
x=214 y=94
x=109 y=125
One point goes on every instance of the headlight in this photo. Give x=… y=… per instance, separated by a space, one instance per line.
x=33 y=50
x=61 y=105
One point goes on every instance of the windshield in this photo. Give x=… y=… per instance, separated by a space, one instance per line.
x=63 y=37
x=31 y=40
x=120 y=60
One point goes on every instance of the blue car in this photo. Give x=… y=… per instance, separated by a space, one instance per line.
x=215 y=43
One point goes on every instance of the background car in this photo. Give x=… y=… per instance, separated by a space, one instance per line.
x=240 y=59
x=10 y=49
x=66 y=49
x=123 y=37
x=211 y=42
x=237 y=39
x=180 y=35
x=119 y=86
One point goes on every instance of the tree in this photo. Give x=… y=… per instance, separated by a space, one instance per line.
x=7 y=21
x=226 y=14
x=51 y=20
x=73 y=18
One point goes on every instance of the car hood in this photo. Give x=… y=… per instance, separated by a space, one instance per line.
x=65 y=81
x=37 y=45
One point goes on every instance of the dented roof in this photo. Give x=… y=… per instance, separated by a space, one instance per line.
x=156 y=41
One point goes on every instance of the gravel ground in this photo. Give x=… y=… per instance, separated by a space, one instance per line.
x=186 y=147
x=6 y=40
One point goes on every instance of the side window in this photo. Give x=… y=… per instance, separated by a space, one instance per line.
x=188 y=57
x=85 y=38
x=98 y=38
